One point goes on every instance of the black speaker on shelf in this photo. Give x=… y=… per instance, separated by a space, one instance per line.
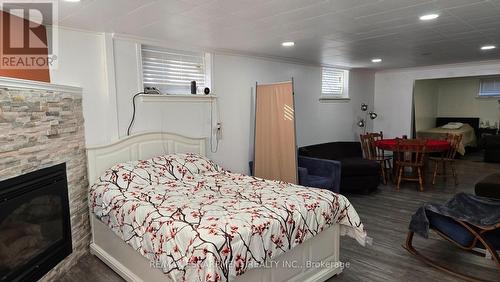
x=206 y=90
x=193 y=87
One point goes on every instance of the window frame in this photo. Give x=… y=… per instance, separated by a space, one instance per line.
x=208 y=66
x=345 y=87
x=496 y=94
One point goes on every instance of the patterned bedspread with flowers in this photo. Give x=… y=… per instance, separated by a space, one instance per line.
x=199 y=222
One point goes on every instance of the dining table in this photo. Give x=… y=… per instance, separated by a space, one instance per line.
x=431 y=146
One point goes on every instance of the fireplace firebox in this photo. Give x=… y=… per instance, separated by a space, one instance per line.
x=35 y=229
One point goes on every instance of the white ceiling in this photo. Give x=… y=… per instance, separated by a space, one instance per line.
x=334 y=32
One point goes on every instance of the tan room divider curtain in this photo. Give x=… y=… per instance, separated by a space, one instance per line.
x=275 y=145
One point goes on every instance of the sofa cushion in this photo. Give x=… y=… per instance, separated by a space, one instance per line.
x=318 y=181
x=459 y=233
x=359 y=167
x=489 y=186
x=450 y=228
x=359 y=184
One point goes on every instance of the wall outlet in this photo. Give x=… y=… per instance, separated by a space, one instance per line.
x=218 y=131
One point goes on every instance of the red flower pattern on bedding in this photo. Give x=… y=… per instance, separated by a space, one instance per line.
x=202 y=223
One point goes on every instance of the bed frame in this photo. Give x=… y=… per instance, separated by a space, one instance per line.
x=472 y=121
x=132 y=266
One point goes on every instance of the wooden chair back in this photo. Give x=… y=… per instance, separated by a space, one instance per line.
x=374 y=137
x=410 y=152
x=377 y=135
x=366 y=146
x=454 y=140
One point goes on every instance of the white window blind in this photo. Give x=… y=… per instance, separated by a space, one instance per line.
x=333 y=82
x=489 y=87
x=172 y=71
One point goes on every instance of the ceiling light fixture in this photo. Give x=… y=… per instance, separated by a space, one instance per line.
x=429 y=17
x=72 y=1
x=288 y=44
x=488 y=47
x=376 y=60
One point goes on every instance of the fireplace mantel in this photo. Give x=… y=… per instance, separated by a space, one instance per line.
x=14 y=83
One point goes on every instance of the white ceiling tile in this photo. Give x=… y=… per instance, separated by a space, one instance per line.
x=445 y=4
x=479 y=10
x=335 y=32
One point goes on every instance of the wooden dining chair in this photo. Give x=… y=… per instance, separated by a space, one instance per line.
x=381 y=154
x=377 y=136
x=365 y=145
x=410 y=154
x=448 y=157
x=371 y=152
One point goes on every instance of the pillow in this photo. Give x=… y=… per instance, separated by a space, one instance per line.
x=141 y=173
x=452 y=125
x=190 y=164
x=159 y=170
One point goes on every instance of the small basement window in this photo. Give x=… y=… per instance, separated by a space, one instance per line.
x=172 y=71
x=334 y=84
x=489 y=87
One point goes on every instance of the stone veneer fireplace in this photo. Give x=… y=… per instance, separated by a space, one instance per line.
x=41 y=125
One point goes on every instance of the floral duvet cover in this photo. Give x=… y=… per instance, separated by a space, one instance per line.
x=198 y=222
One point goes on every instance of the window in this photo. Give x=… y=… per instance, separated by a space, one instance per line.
x=489 y=87
x=334 y=84
x=172 y=71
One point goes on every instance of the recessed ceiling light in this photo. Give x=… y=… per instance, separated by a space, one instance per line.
x=72 y=0
x=288 y=44
x=429 y=17
x=488 y=47
x=376 y=60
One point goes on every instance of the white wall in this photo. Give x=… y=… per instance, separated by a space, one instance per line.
x=393 y=91
x=316 y=122
x=319 y=122
x=234 y=80
x=458 y=98
x=361 y=87
x=426 y=96
x=108 y=70
x=81 y=62
x=190 y=119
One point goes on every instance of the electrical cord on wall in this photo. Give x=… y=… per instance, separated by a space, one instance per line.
x=218 y=129
x=217 y=133
x=133 y=112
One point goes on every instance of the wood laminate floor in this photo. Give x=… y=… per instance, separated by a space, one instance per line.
x=385 y=214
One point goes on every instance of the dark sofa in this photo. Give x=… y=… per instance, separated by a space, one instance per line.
x=319 y=173
x=357 y=174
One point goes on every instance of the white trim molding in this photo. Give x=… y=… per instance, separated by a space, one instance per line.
x=15 y=83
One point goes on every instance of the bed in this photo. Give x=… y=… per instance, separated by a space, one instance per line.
x=161 y=211
x=468 y=131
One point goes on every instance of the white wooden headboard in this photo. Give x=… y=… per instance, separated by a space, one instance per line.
x=139 y=147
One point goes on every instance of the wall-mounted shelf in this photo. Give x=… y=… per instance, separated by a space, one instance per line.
x=175 y=98
x=15 y=83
